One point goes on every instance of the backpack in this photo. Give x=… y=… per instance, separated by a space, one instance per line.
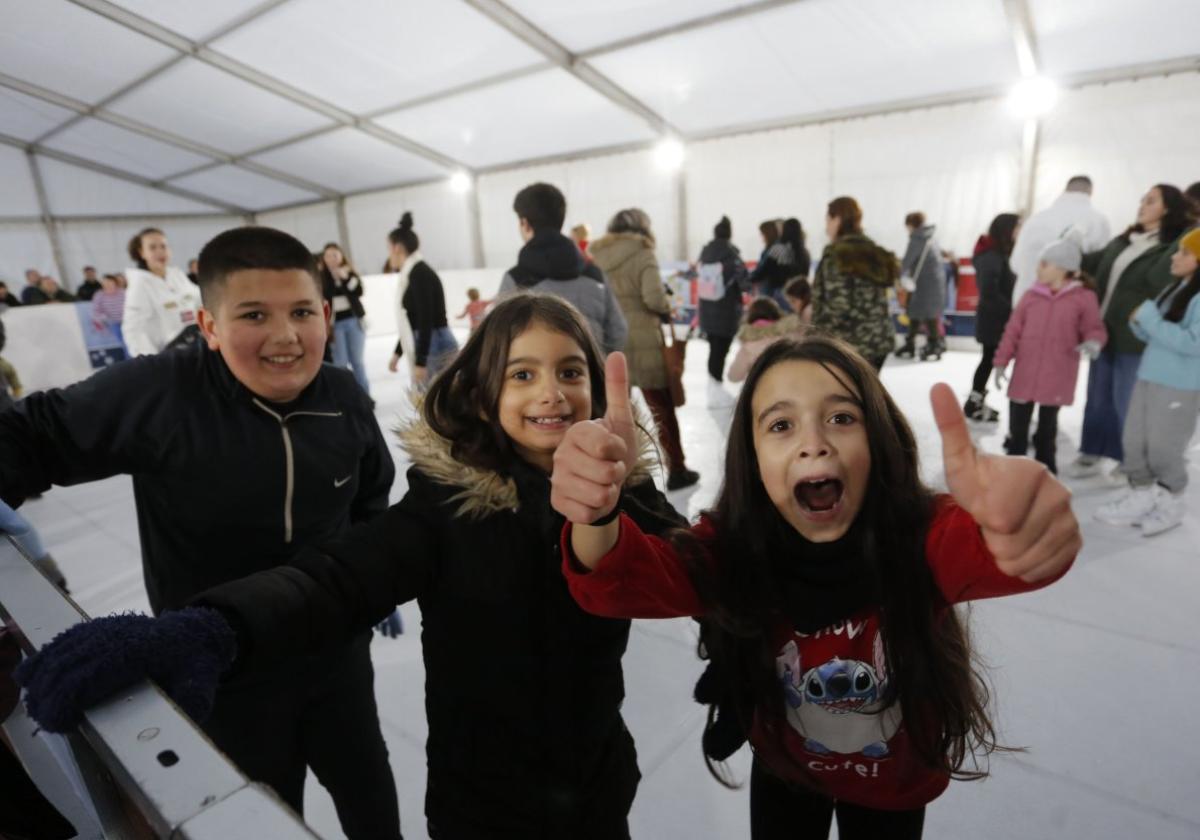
x=710 y=281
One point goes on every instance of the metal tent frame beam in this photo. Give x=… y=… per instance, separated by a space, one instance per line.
x=120 y=174
x=235 y=68
x=154 y=133
x=1024 y=36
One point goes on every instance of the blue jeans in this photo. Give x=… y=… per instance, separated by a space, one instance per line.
x=1111 y=378
x=348 y=342
x=442 y=347
x=20 y=529
x=779 y=297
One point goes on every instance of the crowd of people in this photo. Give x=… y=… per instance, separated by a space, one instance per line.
x=532 y=529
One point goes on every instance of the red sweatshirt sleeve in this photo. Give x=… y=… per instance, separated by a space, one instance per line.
x=642 y=577
x=962 y=565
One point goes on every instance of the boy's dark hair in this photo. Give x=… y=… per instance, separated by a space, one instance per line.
x=404 y=235
x=763 y=309
x=1079 y=183
x=543 y=206
x=930 y=668
x=799 y=289
x=135 y=247
x=249 y=247
x=462 y=404
x=915 y=219
x=770 y=231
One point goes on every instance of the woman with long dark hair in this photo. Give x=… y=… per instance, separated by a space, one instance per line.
x=785 y=258
x=1133 y=268
x=995 y=281
x=344 y=290
x=421 y=301
x=827 y=572
x=160 y=302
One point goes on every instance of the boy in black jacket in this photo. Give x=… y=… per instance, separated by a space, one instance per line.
x=243 y=450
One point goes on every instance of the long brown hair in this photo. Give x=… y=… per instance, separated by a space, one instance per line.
x=463 y=403
x=849 y=215
x=941 y=693
x=135 y=247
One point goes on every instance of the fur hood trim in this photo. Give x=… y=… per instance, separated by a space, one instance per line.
x=787 y=325
x=613 y=249
x=482 y=492
x=857 y=256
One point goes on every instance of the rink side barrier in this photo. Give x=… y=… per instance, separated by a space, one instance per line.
x=137 y=765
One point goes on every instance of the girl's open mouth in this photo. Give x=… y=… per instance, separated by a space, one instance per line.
x=551 y=424
x=820 y=498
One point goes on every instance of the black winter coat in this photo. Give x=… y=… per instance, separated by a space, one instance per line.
x=523 y=688
x=425 y=302
x=723 y=317
x=995 y=281
x=226 y=483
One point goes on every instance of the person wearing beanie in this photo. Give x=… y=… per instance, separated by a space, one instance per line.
x=1165 y=401
x=722 y=279
x=1056 y=322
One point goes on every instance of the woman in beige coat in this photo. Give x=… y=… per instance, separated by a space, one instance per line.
x=626 y=255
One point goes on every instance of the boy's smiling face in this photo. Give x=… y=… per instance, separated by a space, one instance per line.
x=269 y=326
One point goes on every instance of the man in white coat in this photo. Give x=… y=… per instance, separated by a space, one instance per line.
x=1072 y=209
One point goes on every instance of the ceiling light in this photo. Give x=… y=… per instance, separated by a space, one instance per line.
x=460 y=182
x=1032 y=97
x=669 y=154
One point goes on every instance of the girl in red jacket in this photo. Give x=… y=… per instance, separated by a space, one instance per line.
x=827 y=573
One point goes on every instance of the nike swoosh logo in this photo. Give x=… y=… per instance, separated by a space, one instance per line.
x=340 y=482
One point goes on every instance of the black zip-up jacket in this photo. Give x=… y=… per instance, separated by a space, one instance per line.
x=351 y=289
x=523 y=688
x=226 y=483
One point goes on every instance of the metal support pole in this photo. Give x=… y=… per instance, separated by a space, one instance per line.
x=681 y=212
x=475 y=211
x=48 y=220
x=343 y=226
x=1027 y=175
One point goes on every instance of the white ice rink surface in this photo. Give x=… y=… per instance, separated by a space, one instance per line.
x=1098 y=675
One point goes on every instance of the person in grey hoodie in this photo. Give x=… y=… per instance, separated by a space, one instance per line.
x=551 y=263
x=923 y=264
x=722 y=280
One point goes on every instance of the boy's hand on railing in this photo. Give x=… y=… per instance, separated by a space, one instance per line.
x=183 y=651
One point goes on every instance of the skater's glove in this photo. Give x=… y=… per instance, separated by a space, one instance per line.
x=184 y=652
x=1089 y=348
x=392 y=626
x=1000 y=378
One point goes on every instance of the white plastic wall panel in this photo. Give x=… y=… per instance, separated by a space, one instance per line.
x=441 y=219
x=1127 y=136
x=210 y=106
x=192 y=20
x=794 y=61
x=63 y=47
x=27 y=118
x=595 y=189
x=1099 y=34
x=347 y=160
x=103 y=243
x=123 y=149
x=543 y=114
x=371 y=54
x=755 y=177
x=582 y=26
x=314 y=225
x=18 y=197
x=243 y=188
x=24 y=245
x=72 y=191
x=958 y=165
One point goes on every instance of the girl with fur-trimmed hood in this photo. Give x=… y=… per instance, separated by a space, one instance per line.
x=523 y=688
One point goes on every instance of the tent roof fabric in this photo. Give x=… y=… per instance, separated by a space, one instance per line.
x=243 y=107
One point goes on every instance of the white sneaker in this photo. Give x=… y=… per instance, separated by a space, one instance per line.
x=1129 y=508
x=1167 y=513
x=1085 y=466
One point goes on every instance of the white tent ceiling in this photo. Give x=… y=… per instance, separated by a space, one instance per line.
x=141 y=106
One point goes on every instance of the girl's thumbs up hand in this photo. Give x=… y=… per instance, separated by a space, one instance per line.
x=593 y=459
x=1022 y=510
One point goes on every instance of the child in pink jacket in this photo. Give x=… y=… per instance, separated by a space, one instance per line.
x=764 y=324
x=1056 y=322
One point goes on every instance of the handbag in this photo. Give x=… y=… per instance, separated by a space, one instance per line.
x=673 y=357
x=710 y=281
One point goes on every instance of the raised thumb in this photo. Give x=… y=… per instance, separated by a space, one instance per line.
x=616 y=392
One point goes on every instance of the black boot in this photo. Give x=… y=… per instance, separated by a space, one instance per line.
x=933 y=349
x=909 y=350
x=976 y=409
